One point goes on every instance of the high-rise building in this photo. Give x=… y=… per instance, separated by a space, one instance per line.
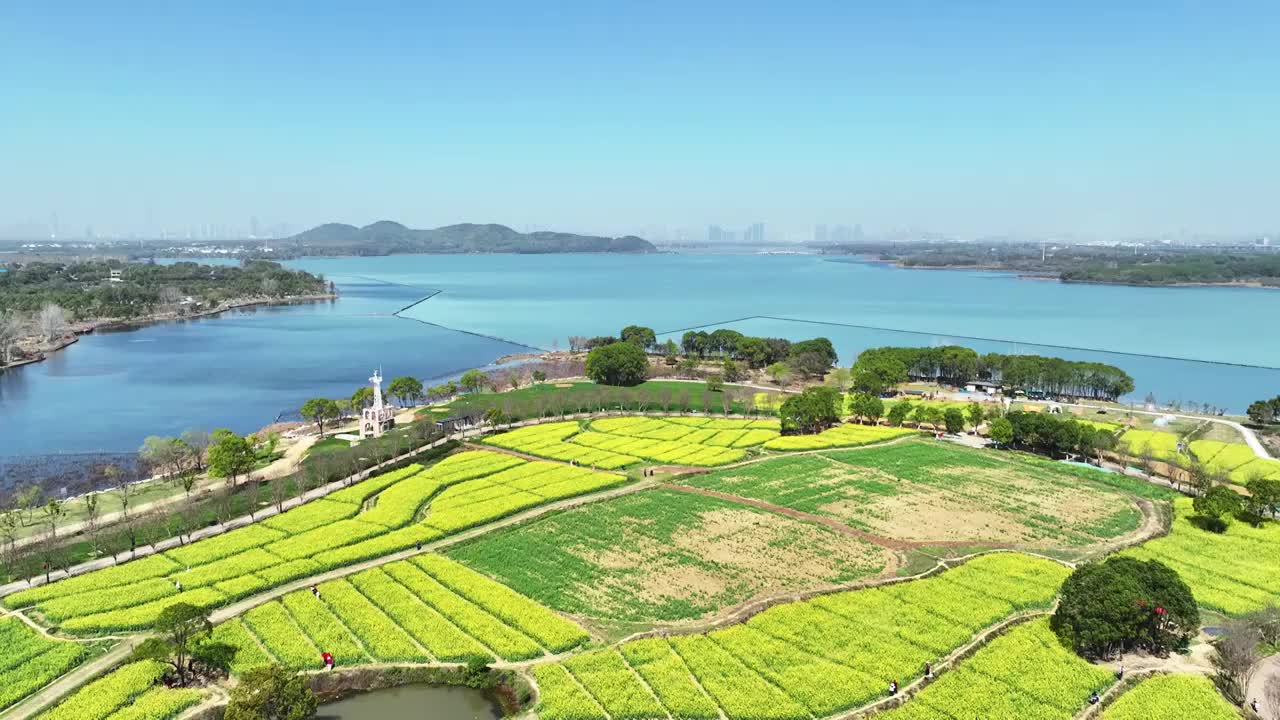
x=820 y=233
x=754 y=234
x=841 y=234
x=715 y=234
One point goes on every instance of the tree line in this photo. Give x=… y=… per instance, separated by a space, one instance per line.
x=880 y=368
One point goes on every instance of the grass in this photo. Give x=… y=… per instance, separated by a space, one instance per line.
x=1235 y=572
x=803 y=659
x=665 y=555
x=938 y=492
x=457 y=493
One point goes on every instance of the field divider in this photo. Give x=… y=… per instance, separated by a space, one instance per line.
x=449 y=621
x=645 y=684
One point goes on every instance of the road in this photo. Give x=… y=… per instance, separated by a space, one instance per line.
x=1267 y=670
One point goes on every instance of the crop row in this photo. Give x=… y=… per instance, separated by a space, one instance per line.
x=29 y=660
x=847 y=435
x=424 y=610
x=811 y=658
x=479 y=487
x=1171 y=696
x=1026 y=673
x=1234 y=572
x=1161 y=445
x=665 y=451
x=1236 y=460
x=101 y=698
x=158 y=703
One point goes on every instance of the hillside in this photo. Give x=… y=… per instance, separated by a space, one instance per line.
x=386 y=238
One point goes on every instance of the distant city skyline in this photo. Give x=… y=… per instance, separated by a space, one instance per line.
x=1095 y=119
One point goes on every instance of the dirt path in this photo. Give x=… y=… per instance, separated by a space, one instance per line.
x=287 y=463
x=1267 y=670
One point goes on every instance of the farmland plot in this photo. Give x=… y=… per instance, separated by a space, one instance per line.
x=1233 y=572
x=933 y=492
x=29 y=660
x=1171 y=696
x=666 y=555
x=130 y=692
x=846 y=435
x=817 y=657
x=1025 y=674
x=376 y=517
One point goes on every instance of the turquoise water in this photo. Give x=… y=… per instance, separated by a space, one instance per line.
x=245 y=369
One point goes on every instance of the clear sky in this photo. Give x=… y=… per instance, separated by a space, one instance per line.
x=1096 y=118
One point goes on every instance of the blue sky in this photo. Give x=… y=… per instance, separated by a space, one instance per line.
x=1099 y=119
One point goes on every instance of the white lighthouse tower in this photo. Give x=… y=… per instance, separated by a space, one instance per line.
x=379 y=418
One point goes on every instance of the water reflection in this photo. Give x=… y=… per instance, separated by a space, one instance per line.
x=414 y=702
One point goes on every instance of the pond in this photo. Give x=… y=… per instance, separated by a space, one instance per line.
x=414 y=702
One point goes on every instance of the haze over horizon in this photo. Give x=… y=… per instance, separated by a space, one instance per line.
x=1091 y=120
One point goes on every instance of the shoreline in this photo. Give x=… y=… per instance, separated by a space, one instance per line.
x=1043 y=276
x=87 y=327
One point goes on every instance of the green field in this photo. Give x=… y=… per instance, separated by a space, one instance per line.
x=1171 y=696
x=663 y=555
x=1025 y=674
x=1236 y=461
x=30 y=660
x=1234 y=572
x=802 y=659
x=927 y=491
x=424 y=610
x=618 y=442
x=1162 y=445
x=132 y=692
x=376 y=517
x=846 y=435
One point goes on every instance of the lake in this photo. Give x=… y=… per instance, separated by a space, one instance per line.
x=247 y=368
x=413 y=702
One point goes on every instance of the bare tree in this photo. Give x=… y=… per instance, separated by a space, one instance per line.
x=123 y=488
x=52 y=322
x=277 y=492
x=197 y=443
x=91 y=518
x=170 y=295
x=12 y=329
x=1234 y=660
x=53 y=512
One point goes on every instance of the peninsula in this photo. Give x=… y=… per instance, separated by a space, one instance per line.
x=45 y=306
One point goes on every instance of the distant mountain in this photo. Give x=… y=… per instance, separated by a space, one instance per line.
x=386 y=237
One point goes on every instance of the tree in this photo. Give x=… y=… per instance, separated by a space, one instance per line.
x=123 y=488
x=1234 y=659
x=1121 y=604
x=819 y=346
x=316 y=410
x=866 y=407
x=271 y=693
x=731 y=371
x=715 y=383
x=809 y=364
x=1001 y=431
x=619 y=363
x=640 y=335
x=180 y=626
x=474 y=381
x=975 y=414
x=12 y=329
x=360 y=399
x=91 y=517
x=1263 y=412
x=1264 y=496
x=898 y=412
x=166 y=454
x=953 y=418
x=840 y=378
x=197 y=443
x=52 y=322
x=1217 y=506
x=53 y=512
x=814 y=410
x=407 y=390
x=538 y=376
x=780 y=372
x=231 y=456
x=513 y=379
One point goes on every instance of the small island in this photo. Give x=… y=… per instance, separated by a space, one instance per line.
x=46 y=305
